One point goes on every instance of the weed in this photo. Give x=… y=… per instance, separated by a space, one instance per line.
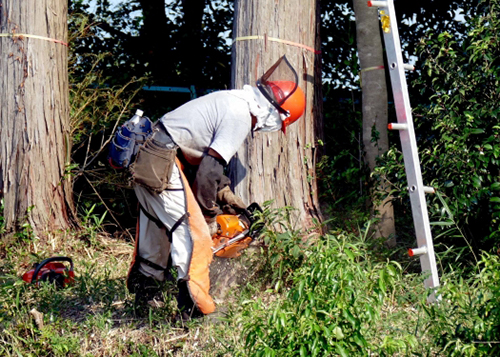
x=92 y=224
x=282 y=245
x=467 y=320
x=2 y=219
x=335 y=296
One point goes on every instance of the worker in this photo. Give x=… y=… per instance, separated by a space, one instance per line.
x=177 y=208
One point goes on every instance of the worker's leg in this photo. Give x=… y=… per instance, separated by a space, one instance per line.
x=191 y=243
x=168 y=207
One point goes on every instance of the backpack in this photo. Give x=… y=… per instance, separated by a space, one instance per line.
x=127 y=140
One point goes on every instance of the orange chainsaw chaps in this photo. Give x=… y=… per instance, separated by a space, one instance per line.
x=201 y=256
x=134 y=255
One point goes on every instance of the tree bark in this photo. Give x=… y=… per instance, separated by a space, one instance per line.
x=34 y=114
x=374 y=106
x=274 y=166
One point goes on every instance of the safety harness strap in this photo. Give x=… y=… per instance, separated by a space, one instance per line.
x=169 y=232
x=160 y=224
x=149 y=263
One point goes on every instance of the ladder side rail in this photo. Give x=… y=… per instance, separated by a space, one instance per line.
x=409 y=147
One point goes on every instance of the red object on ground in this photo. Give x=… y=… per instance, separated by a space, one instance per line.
x=51 y=270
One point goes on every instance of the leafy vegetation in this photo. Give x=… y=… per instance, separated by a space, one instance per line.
x=341 y=298
x=335 y=296
x=458 y=131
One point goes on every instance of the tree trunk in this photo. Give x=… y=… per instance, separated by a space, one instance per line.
x=274 y=166
x=191 y=43
x=374 y=106
x=156 y=53
x=34 y=133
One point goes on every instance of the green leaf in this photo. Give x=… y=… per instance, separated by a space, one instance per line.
x=349 y=253
x=337 y=331
x=341 y=351
x=445 y=224
x=349 y=317
x=476 y=131
x=476 y=182
x=495 y=186
x=381 y=280
x=303 y=351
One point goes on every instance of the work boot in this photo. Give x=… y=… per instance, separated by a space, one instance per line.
x=148 y=290
x=187 y=307
x=134 y=278
x=149 y=293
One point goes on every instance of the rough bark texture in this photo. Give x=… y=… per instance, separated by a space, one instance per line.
x=374 y=104
x=274 y=166
x=34 y=132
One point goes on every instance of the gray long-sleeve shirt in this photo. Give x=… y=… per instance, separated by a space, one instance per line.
x=220 y=121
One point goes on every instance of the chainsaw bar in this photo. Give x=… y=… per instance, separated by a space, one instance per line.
x=231 y=241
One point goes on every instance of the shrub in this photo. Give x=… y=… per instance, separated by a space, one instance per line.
x=466 y=322
x=457 y=128
x=336 y=294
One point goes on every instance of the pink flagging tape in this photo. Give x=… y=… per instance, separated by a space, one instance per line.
x=21 y=35
x=366 y=70
x=274 y=39
x=372 y=68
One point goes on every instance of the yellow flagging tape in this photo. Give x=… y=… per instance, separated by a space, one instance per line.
x=21 y=35
x=371 y=68
x=366 y=70
x=274 y=39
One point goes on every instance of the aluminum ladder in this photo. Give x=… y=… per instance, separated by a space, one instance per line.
x=404 y=125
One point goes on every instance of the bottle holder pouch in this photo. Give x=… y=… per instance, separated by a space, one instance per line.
x=153 y=165
x=121 y=150
x=127 y=140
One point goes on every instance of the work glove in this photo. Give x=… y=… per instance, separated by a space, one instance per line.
x=230 y=203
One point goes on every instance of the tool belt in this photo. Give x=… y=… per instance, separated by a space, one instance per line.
x=155 y=160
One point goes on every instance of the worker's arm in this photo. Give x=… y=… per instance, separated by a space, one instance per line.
x=209 y=180
x=211 y=187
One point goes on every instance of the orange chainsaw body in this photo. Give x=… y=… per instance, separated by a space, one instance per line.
x=229 y=227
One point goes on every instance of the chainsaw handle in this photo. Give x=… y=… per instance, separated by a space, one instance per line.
x=250 y=210
x=49 y=260
x=249 y=215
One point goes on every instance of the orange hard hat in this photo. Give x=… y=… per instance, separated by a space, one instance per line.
x=280 y=87
x=290 y=98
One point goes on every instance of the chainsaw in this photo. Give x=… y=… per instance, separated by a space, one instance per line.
x=52 y=272
x=235 y=232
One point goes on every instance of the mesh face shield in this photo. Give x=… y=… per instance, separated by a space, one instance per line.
x=282 y=71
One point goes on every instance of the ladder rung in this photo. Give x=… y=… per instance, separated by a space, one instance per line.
x=409 y=67
x=428 y=189
x=397 y=126
x=417 y=251
x=377 y=3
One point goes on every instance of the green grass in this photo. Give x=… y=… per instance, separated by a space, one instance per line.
x=337 y=295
